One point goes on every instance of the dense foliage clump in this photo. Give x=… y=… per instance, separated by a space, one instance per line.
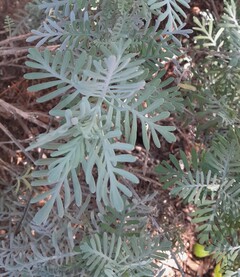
x=109 y=82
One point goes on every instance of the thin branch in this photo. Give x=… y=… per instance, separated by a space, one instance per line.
x=23 y=50
x=9 y=167
x=13 y=65
x=215 y=10
x=25 y=115
x=17 y=230
x=147 y=156
x=11 y=142
x=172 y=253
x=140 y=175
x=11 y=136
x=13 y=39
x=14 y=51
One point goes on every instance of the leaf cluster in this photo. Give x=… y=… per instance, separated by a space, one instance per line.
x=210 y=181
x=216 y=75
x=107 y=80
x=112 y=244
x=103 y=84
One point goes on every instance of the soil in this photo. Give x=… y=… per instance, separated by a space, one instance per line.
x=17 y=129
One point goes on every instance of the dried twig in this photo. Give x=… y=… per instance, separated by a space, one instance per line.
x=14 y=65
x=28 y=116
x=139 y=174
x=172 y=253
x=23 y=124
x=14 y=170
x=146 y=158
x=11 y=136
x=11 y=142
x=23 y=50
x=17 y=230
x=215 y=10
x=14 y=51
x=13 y=39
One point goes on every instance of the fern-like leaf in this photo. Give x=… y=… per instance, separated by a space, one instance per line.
x=172 y=14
